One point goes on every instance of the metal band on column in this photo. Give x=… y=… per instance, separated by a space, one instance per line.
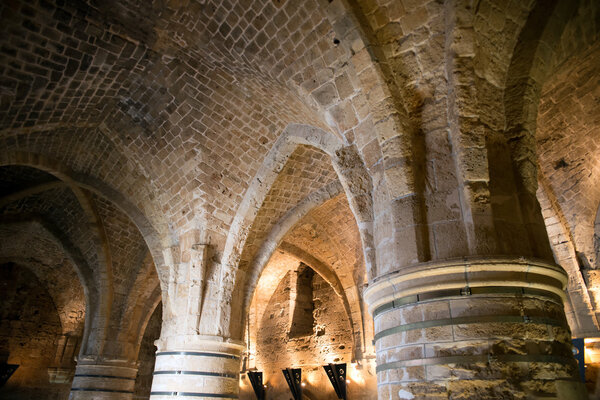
x=207 y=368
x=461 y=277
x=103 y=381
x=468 y=325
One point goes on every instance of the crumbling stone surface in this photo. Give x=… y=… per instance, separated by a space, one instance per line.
x=496 y=376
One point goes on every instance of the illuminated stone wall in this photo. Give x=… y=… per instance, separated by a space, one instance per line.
x=30 y=331
x=329 y=340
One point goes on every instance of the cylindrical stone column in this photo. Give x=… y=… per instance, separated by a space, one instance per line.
x=473 y=329
x=202 y=367
x=94 y=381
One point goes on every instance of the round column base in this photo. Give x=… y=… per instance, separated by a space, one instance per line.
x=476 y=329
x=201 y=367
x=103 y=381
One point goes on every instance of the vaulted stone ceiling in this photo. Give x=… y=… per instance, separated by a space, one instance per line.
x=236 y=137
x=325 y=239
x=306 y=171
x=195 y=92
x=568 y=136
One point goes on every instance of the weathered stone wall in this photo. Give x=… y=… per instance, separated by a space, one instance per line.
x=30 y=331
x=329 y=340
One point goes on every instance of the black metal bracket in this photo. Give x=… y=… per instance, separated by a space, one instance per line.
x=293 y=377
x=337 y=375
x=256 y=379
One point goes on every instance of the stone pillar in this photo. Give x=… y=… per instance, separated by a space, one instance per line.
x=104 y=379
x=192 y=362
x=196 y=366
x=481 y=328
x=64 y=360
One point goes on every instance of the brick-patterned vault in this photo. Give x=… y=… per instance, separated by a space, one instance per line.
x=568 y=138
x=194 y=190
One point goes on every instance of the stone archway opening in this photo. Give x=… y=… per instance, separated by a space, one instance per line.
x=95 y=264
x=303 y=325
x=306 y=309
x=45 y=284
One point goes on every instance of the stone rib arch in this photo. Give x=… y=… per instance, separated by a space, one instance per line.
x=76 y=259
x=526 y=74
x=273 y=163
x=75 y=178
x=529 y=69
x=278 y=232
x=556 y=35
x=100 y=305
x=139 y=305
x=96 y=153
x=545 y=42
x=351 y=173
x=153 y=301
x=579 y=302
x=390 y=136
x=275 y=241
x=292 y=136
x=567 y=132
x=79 y=181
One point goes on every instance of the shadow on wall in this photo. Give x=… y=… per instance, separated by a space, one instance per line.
x=147 y=356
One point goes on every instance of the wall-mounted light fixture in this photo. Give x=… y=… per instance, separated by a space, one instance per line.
x=293 y=377
x=337 y=376
x=256 y=379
